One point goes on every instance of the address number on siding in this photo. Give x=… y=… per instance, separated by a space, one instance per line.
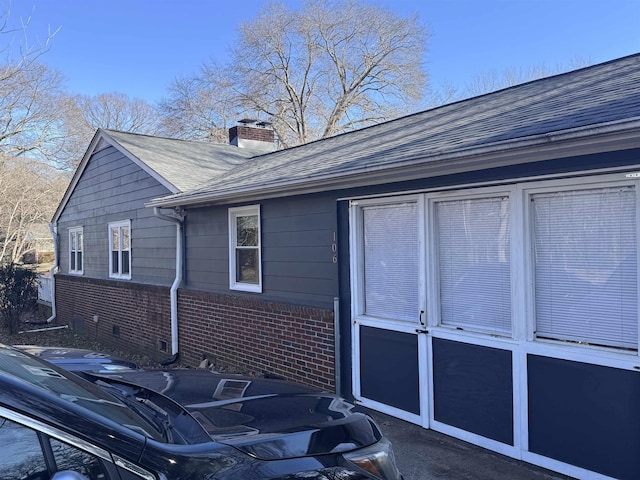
x=334 y=249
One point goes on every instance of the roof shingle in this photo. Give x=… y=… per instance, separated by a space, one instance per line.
x=185 y=164
x=587 y=97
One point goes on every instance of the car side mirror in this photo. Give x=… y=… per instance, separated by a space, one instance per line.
x=68 y=475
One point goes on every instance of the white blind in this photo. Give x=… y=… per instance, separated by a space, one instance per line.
x=586 y=266
x=473 y=255
x=391 y=261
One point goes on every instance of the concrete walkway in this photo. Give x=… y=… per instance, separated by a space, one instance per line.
x=425 y=455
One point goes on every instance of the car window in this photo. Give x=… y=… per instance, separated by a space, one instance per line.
x=21 y=456
x=70 y=458
x=71 y=388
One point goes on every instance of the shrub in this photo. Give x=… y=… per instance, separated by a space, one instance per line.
x=18 y=294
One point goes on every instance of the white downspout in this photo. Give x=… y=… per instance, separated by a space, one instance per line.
x=53 y=228
x=177 y=217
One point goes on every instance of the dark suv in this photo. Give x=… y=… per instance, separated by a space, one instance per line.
x=177 y=425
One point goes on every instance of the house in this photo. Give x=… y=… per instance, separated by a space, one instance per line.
x=472 y=268
x=103 y=214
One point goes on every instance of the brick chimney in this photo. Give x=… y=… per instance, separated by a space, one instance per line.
x=253 y=134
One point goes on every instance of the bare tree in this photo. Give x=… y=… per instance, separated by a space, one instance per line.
x=82 y=115
x=199 y=107
x=29 y=94
x=77 y=134
x=332 y=66
x=39 y=119
x=118 y=111
x=30 y=191
x=492 y=80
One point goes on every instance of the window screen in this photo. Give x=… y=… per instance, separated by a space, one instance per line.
x=474 y=263
x=391 y=261
x=586 y=266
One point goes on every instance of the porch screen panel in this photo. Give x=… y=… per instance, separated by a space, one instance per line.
x=585 y=263
x=474 y=263
x=391 y=261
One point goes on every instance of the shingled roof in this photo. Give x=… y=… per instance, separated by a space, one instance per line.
x=179 y=165
x=539 y=115
x=185 y=164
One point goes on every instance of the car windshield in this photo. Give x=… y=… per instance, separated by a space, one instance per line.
x=72 y=388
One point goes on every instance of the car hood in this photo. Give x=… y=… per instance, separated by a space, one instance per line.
x=267 y=419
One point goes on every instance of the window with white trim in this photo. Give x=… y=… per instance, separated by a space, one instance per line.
x=76 y=240
x=585 y=265
x=120 y=249
x=554 y=261
x=391 y=261
x=473 y=250
x=245 y=256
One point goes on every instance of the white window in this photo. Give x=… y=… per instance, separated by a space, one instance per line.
x=245 y=262
x=76 y=239
x=120 y=249
x=554 y=261
x=391 y=261
x=473 y=251
x=585 y=266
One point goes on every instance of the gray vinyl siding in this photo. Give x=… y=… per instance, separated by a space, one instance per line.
x=207 y=249
x=113 y=188
x=297 y=256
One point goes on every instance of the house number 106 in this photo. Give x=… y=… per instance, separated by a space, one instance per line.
x=334 y=249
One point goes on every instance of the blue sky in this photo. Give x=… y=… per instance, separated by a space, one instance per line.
x=138 y=47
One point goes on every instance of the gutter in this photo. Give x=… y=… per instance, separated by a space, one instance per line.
x=177 y=217
x=53 y=228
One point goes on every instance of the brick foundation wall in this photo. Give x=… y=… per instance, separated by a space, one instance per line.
x=129 y=316
x=288 y=341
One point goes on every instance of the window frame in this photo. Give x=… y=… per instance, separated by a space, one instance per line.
x=434 y=303
x=54 y=432
x=408 y=316
x=120 y=225
x=234 y=214
x=357 y=261
x=45 y=432
x=522 y=268
x=531 y=189
x=73 y=254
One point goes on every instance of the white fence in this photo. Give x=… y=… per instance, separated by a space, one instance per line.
x=45 y=283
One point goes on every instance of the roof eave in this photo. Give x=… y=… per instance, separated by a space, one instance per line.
x=611 y=136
